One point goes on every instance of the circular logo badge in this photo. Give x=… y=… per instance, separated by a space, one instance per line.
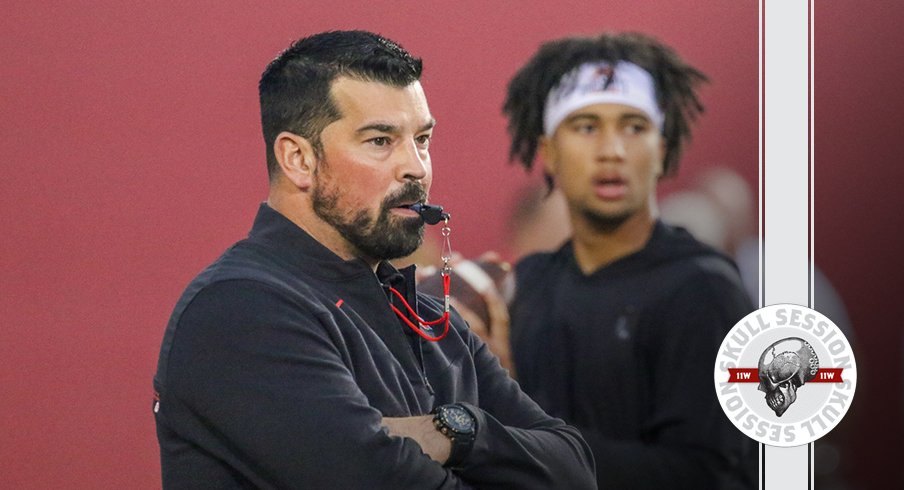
x=785 y=375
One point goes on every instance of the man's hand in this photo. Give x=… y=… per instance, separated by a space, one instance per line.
x=480 y=296
x=421 y=429
x=496 y=334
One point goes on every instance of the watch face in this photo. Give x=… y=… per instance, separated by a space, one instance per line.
x=458 y=419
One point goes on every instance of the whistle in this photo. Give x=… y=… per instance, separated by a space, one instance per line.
x=429 y=213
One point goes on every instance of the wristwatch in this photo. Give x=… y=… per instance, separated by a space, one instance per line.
x=458 y=424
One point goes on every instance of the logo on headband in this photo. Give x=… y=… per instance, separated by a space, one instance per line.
x=608 y=75
x=600 y=79
x=785 y=375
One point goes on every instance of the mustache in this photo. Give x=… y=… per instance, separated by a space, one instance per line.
x=411 y=191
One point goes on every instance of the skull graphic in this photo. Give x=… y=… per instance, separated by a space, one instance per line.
x=784 y=367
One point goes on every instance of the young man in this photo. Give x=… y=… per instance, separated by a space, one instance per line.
x=617 y=331
x=284 y=364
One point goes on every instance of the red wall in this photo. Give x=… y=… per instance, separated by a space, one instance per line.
x=858 y=240
x=132 y=157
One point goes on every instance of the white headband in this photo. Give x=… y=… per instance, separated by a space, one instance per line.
x=597 y=83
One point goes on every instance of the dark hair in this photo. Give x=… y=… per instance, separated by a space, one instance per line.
x=295 y=87
x=675 y=81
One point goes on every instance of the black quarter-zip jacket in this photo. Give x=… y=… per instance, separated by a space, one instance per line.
x=280 y=360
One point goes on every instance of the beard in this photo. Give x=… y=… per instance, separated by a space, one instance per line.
x=385 y=238
x=606 y=223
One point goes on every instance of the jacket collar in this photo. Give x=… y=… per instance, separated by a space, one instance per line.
x=297 y=247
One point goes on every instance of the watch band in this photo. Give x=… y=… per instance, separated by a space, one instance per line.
x=459 y=424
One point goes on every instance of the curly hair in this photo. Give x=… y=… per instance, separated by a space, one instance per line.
x=295 y=87
x=676 y=84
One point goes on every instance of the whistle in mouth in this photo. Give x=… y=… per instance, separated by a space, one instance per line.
x=429 y=213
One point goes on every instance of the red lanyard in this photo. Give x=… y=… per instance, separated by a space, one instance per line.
x=423 y=325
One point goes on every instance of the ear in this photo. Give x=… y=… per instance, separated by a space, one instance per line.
x=296 y=157
x=660 y=167
x=547 y=151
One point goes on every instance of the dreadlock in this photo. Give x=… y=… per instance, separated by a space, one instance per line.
x=675 y=80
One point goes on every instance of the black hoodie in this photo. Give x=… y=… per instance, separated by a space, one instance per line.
x=626 y=354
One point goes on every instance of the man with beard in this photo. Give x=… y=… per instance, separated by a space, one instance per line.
x=294 y=360
x=616 y=332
